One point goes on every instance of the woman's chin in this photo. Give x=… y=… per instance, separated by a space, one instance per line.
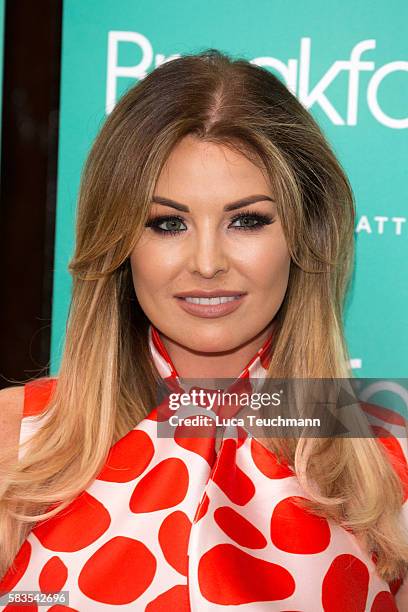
x=209 y=342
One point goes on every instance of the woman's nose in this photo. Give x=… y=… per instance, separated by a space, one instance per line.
x=207 y=253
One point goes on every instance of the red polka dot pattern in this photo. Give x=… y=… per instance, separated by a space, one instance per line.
x=203 y=446
x=345 y=585
x=14 y=573
x=83 y=522
x=128 y=458
x=230 y=478
x=202 y=508
x=241 y=436
x=267 y=462
x=238 y=528
x=129 y=572
x=174 y=524
x=295 y=530
x=175 y=598
x=220 y=574
x=384 y=602
x=174 y=535
x=163 y=486
x=37 y=395
x=53 y=575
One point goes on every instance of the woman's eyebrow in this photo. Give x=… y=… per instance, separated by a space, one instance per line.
x=232 y=206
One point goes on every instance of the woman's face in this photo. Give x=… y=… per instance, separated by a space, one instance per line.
x=193 y=244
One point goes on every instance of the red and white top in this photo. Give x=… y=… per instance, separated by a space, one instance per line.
x=173 y=524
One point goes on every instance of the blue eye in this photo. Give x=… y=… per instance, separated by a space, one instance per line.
x=171 y=227
x=171 y=220
x=260 y=220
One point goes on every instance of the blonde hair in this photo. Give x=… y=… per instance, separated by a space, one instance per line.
x=107 y=381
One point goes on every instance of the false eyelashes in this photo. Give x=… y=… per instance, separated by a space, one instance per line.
x=261 y=220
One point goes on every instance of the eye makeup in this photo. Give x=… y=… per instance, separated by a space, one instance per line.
x=260 y=221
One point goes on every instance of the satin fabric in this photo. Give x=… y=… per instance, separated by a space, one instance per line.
x=177 y=523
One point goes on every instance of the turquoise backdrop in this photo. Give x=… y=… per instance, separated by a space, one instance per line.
x=347 y=62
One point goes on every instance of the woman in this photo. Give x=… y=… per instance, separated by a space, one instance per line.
x=214 y=240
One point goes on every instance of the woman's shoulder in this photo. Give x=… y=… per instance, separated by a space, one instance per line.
x=11 y=414
x=28 y=399
x=18 y=406
x=37 y=394
x=10 y=397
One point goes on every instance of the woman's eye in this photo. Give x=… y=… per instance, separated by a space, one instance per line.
x=251 y=221
x=247 y=221
x=172 y=225
x=166 y=225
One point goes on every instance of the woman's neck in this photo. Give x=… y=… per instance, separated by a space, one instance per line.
x=228 y=364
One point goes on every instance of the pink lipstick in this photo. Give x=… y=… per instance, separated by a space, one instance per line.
x=210 y=304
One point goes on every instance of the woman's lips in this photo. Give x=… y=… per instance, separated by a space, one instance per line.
x=211 y=310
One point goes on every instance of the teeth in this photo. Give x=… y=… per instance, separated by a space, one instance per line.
x=210 y=301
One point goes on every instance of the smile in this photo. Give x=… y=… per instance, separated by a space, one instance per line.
x=210 y=307
x=213 y=300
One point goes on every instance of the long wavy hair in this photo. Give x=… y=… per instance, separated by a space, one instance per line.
x=106 y=381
